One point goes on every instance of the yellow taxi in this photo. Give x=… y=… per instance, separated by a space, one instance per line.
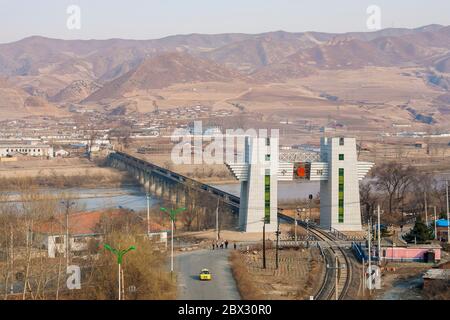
x=205 y=275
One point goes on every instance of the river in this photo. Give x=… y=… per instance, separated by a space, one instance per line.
x=91 y=199
x=134 y=197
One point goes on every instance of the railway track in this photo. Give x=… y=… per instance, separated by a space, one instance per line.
x=332 y=255
x=331 y=251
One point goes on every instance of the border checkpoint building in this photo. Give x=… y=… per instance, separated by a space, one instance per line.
x=338 y=171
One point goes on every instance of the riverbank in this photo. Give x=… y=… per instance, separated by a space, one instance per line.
x=59 y=173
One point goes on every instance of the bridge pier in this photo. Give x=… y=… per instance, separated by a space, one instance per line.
x=158 y=188
x=147 y=182
x=173 y=193
x=152 y=185
x=163 y=189
x=180 y=196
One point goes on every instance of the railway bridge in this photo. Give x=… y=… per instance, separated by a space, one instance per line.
x=166 y=184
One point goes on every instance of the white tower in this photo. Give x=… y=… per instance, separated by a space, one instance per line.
x=259 y=175
x=339 y=173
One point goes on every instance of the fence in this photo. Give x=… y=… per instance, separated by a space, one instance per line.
x=359 y=252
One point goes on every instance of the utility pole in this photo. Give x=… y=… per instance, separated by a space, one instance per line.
x=370 y=255
x=295 y=225
x=278 y=235
x=67 y=204
x=448 y=213
x=148 y=214
x=310 y=207
x=264 y=243
x=171 y=246
x=67 y=236
x=309 y=217
x=217 y=221
x=426 y=209
x=435 y=223
x=336 y=277
x=379 y=236
x=364 y=277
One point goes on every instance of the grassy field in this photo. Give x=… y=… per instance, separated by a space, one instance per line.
x=297 y=278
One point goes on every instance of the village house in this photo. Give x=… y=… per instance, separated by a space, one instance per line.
x=31 y=150
x=400 y=251
x=61 y=153
x=437 y=275
x=84 y=232
x=442 y=229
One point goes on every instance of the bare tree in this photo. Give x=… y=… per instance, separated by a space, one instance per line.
x=368 y=198
x=394 y=179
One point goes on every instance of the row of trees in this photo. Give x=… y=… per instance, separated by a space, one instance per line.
x=401 y=189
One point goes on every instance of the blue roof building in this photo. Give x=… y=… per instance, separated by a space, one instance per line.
x=442 y=223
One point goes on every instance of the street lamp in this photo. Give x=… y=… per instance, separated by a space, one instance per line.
x=119 y=254
x=172 y=214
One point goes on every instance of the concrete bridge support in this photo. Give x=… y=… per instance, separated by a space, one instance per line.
x=158 y=188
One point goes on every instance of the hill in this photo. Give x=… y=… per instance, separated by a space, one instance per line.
x=162 y=71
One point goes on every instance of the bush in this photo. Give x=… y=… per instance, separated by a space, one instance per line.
x=144 y=269
x=420 y=232
x=246 y=287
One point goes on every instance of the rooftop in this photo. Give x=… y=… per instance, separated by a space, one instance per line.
x=437 y=274
x=81 y=223
x=442 y=223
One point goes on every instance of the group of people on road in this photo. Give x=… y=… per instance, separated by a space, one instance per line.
x=221 y=244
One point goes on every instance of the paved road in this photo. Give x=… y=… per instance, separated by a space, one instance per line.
x=188 y=266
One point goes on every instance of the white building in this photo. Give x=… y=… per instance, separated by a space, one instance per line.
x=259 y=175
x=56 y=244
x=61 y=153
x=339 y=172
x=33 y=150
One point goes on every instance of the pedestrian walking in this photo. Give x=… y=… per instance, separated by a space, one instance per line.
x=213 y=246
x=234 y=245
x=226 y=244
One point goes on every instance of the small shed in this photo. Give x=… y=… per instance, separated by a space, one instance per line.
x=61 y=153
x=433 y=275
x=442 y=229
x=399 y=252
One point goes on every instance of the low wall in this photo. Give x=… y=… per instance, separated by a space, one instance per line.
x=408 y=254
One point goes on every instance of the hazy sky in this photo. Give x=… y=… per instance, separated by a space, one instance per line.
x=147 y=19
